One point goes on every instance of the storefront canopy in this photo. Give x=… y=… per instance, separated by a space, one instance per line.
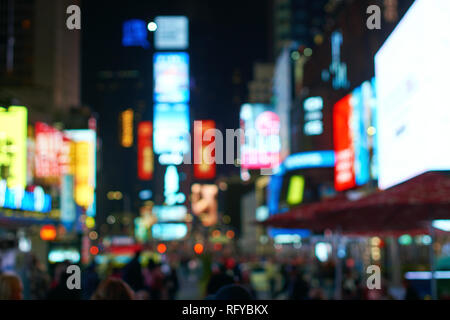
x=405 y=208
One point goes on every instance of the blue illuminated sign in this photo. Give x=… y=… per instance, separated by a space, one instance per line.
x=169 y=231
x=68 y=206
x=171 y=129
x=171 y=77
x=273 y=232
x=135 y=34
x=298 y=161
x=19 y=199
x=170 y=213
x=305 y=160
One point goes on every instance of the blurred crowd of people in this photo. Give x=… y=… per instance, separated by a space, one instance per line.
x=221 y=278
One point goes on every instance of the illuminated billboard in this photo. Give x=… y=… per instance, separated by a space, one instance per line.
x=171 y=130
x=295 y=190
x=169 y=231
x=344 y=145
x=68 y=206
x=145 y=151
x=413 y=115
x=172 y=33
x=127 y=128
x=85 y=144
x=204 y=203
x=171 y=77
x=170 y=213
x=207 y=168
x=18 y=199
x=13 y=146
x=313 y=116
x=49 y=149
x=354 y=130
x=134 y=34
x=260 y=146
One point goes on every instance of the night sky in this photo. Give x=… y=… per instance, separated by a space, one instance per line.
x=226 y=38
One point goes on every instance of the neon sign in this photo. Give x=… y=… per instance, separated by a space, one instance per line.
x=19 y=199
x=337 y=69
x=135 y=34
x=313 y=116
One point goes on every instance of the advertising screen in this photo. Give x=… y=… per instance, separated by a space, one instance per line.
x=85 y=168
x=204 y=203
x=205 y=150
x=171 y=129
x=49 y=151
x=13 y=146
x=127 y=128
x=169 y=231
x=145 y=151
x=171 y=77
x=260 y=146
x=134 y=34
x=170 y=213
x=413 y=115
x=354 y=129
x=172 y=33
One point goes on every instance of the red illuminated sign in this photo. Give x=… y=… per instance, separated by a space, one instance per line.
x=145 y=150
x=49 y=151
x=344 y=172
x=207 y=168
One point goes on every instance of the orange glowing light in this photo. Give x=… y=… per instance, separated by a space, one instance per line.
x=216 y=234
x=48 y=233
x=230 y=234
x=94 y=250
x=198 y=248
x=161 y=248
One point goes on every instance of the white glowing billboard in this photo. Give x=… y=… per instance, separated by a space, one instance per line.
x=171 y=130
x=412 y=70
x=172 y=33
x=260 y=146
x=171 y=77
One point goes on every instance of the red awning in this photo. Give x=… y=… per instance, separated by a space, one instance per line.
x=405 y=208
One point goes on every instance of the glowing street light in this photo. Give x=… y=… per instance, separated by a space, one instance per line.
x=152 y=26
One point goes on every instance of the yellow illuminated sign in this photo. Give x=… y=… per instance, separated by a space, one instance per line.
x=126 y=120
x=84 y=149
x=295 y=191
x=84 y=190
x=13 y=146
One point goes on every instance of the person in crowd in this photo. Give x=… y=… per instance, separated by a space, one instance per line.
x=411 y=292
x=60 y=268
x=10 y=287
x=38 y=279
x=132 y=273
x=299 y=289
x=317 y=294
x=113 y=289
x=157 y=286
x=172 y=283
x=218 y=279
x=61 y=290
x=271 y=272
x=90 y=280
x=232 y=292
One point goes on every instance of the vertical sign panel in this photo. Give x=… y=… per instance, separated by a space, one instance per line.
x=85 y=168
x=145 y=151
x=13 y=146
x=126 y=128
x=171 y=77
x=207 y=168
x=344 y=145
